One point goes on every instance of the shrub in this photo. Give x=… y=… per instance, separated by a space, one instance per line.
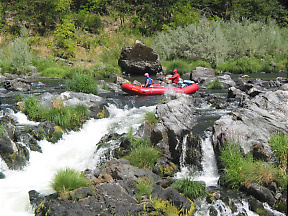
x=166 y=208
x=48 y=67
x=90 y=22
x=105 y=70
x=180 y=65
x=199 y=63
x=279 y=144
x=68 y=179
x=246 y=65
x=20 y=57
x=216 y=41
x=64 y=43
x=258 y=172
x=191 y=189
x=233 y=161
x=82 y=82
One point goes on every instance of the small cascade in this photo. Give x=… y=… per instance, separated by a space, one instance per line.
x=210 y=171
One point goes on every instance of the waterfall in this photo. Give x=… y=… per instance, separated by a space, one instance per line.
x=75 y=150
x=210 y=171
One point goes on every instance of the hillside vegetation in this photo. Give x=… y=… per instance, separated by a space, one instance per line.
x=237 y=36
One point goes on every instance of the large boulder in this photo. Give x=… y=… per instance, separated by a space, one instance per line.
x=253 y=124
x=176 y=120
x=202 y=74
x=139 y=59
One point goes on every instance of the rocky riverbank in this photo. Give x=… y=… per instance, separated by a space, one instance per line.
x=262 y=111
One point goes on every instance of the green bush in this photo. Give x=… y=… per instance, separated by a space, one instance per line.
x=105 y=70
x=217 y=41
x=181 y=66
x=143 y=157
x=199 y=63
x=279 y=144
x=191 y=189
x=82 y=82
x=64 y=40
x=20 y=56
x=90 y=22
x=68 y=179
x=247 y=65
x=48 y=67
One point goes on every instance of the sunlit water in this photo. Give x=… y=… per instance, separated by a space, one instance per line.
x=75 y=150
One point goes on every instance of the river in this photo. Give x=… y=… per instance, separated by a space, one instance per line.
x=78 y=150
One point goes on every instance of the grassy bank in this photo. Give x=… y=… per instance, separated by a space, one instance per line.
x=244 y=169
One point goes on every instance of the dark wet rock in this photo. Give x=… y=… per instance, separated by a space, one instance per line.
x=139 y=59
x=2 y=176
x=164 y=167
x=114 y=194
x=46 y=130
x=17 y=84
x=261 y=193
x=13 y=153
x=194 y=151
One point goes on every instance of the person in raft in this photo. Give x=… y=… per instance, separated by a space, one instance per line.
x=148 y=80
x=175 y=78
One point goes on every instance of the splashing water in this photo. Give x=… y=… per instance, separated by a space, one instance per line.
x=75 y=150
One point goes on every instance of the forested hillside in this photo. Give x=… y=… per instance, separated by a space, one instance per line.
x=215 y=33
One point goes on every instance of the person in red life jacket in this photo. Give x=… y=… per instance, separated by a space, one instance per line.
x=175 y=78
x=148 y=80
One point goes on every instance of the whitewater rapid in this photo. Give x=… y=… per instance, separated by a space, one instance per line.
x=76 y=149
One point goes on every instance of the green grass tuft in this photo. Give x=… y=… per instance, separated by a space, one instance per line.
x=68 y=179
x=214 y=85
x=191 y=189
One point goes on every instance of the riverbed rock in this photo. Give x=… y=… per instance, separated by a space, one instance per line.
x=202 y=74
x=17 y=84
x=96 y=104
x=254 y=123
x=116 y=196
x=176 y=119
x=139 y=59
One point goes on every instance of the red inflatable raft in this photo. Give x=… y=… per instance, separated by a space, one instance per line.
x=157 y=89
